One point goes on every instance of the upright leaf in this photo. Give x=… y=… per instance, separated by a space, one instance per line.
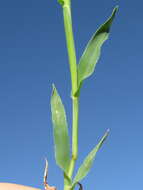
x=61 y=138
x=91 y=54
x=87 y=163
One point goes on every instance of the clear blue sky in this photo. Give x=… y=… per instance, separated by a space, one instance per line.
x=33 y=56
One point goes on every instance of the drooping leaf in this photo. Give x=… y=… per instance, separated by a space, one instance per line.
x=61 y=138
x=92 y=51
x=87 y=163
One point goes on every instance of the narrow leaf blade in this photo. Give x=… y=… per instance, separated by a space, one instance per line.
x=92 y=51
x=87 y=163
x=60 y=129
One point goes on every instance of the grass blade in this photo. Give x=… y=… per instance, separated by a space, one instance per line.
x=61 y=138
x=91 y=54
x=87 y=163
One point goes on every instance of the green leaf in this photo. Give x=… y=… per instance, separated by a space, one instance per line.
x=61 y=138
x=61 y=2
x=91 y=54
x=87 y=163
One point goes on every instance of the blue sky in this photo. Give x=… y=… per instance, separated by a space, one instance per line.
x=33 y=55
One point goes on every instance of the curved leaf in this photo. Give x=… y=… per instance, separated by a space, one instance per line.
x=61 y=138
x=87 y=163
x=91 y=54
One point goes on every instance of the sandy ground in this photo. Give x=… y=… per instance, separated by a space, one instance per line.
x=10 y=186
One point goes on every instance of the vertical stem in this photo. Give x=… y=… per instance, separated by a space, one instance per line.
x=73 y=72
x=74 y=136
x=70 y=45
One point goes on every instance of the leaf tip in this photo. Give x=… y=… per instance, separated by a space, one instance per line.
x=108 y=130
x=115 y=10
x=53 y=86
x=53 y=89
x=106 y=134
x=116 y=7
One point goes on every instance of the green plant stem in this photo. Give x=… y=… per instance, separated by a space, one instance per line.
x=70 y=45
x=74 y=136
x=73 y=71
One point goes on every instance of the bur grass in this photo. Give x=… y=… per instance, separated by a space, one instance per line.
x=78 y=72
